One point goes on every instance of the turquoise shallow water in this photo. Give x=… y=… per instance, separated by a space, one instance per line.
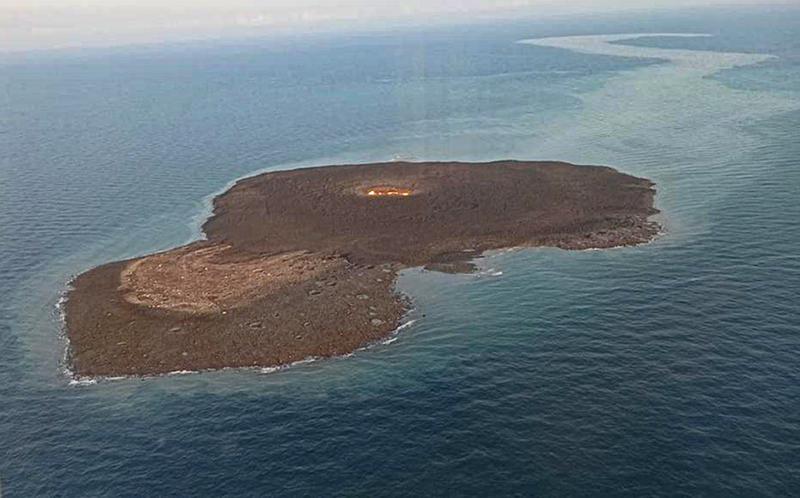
x=665 y=369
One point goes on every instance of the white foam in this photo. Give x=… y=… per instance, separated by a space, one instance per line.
x=404 y=326
x=395 y=333
x=175 y=372
x=278 y=368
x=489 y=272
x=304 y=360
x=82 y=382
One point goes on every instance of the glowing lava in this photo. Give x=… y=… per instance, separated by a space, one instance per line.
x=388 y=192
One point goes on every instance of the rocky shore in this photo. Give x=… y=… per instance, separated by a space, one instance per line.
x=303 y=263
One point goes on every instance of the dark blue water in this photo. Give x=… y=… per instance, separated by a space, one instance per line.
x=667 y=369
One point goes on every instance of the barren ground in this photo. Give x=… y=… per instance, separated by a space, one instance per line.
x=303 y=263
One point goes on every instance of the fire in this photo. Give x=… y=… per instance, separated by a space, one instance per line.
x=388 y=191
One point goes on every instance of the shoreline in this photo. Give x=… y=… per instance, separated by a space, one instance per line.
x=75 y=380
x=207 y=298
x=82 y=381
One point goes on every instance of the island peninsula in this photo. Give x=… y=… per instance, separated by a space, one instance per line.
x=303 y=263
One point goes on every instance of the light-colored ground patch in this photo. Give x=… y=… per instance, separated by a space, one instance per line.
x=207 y=280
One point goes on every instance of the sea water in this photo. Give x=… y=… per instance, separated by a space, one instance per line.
x=670 y=368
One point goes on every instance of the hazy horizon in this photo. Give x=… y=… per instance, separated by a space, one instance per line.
x=49 y=24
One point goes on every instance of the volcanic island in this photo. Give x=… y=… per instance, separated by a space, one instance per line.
x=302 y=264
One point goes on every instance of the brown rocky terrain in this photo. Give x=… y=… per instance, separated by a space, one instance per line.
x=303 y=263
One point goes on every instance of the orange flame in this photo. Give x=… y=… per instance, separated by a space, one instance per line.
x=388 y=191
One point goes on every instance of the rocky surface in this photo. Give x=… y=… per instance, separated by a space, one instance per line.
x=303 y=263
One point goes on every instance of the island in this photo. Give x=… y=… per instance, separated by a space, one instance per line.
x=303 y=263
